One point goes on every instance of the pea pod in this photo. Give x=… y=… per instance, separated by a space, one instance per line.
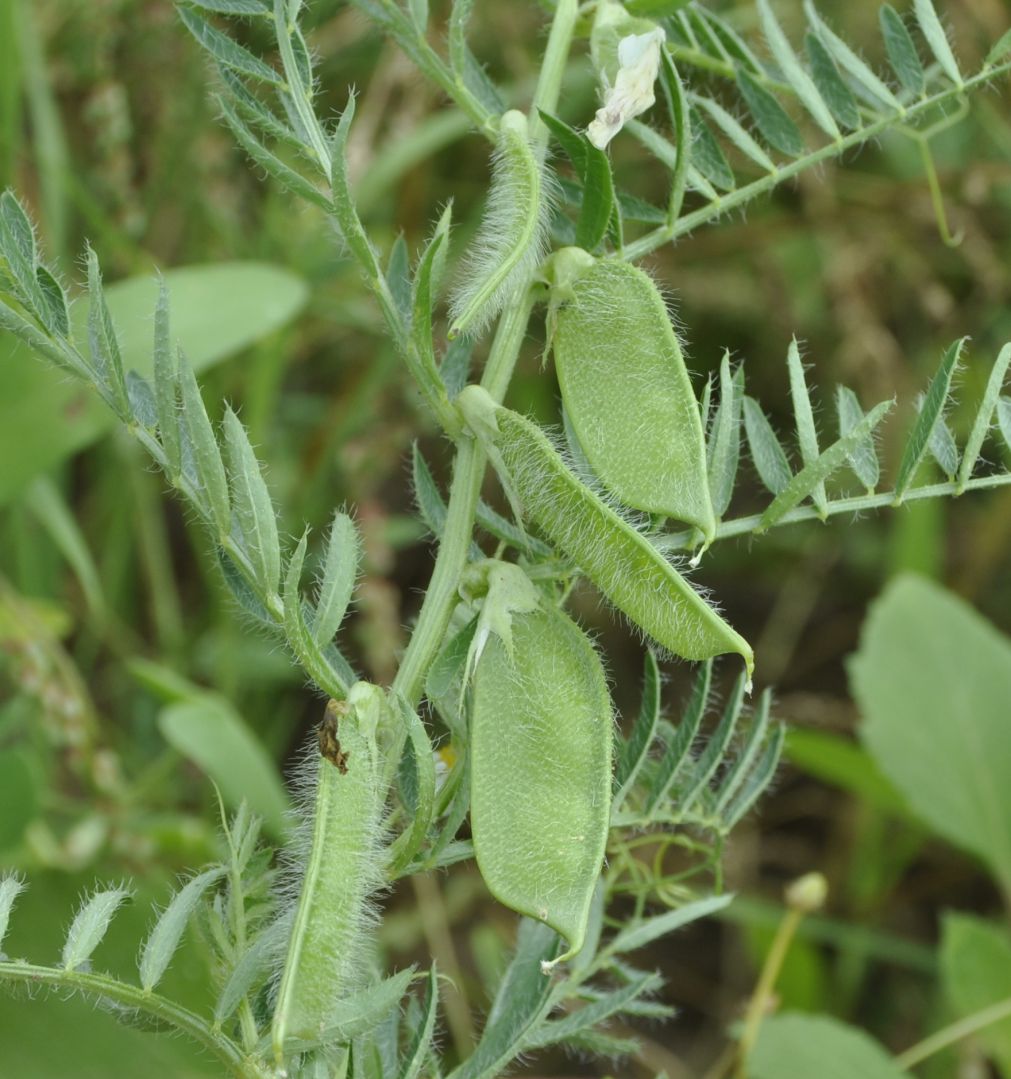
x=343 y=867
x=627 y=392
x=620 y=561
x=541 y=768
x=513 y=232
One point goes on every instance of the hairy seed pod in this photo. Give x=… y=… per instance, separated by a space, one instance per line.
x=623 y=564
x=541 y=770
x=513 y=233
x=627 y=393
x=342 y=868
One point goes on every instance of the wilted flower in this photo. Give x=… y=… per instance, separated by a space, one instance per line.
x=632 y=92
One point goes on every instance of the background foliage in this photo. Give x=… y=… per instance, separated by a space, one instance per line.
x=118 y=634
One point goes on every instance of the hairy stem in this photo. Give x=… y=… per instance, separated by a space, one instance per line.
x=131 y=996
x=468 y=472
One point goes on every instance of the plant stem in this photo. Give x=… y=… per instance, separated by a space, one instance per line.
x=763 y=990
x=742 y=195
x=468 y=472
x=549 y=82
x=954 y=1033
x=132 y=996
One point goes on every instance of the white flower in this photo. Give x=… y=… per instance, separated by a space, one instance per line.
x=632 y=92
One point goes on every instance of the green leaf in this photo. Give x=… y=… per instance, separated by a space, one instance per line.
x=768 y=455
x=233 y=7
x=340 y=573
x=11 y=886
x=1004 y=418
x=521 y=1003
x=209 y=465
x=209 y=732
x=796 y=76
x=942 y=445
x=217 y=311
x=678 y=749
x=707 y=156
x=717 y=746
x=736 y=133
x=1000 y=49
x=417 y=770
x=636 y=936
x=164 y=938
x=20 y=797
x=103 y=342
x=984 y=416
x=937 y=39
x=932 y=679
x=807 y=435
x=635 y=750
x=806 y=482
x=227 y=51
x=356 y=1015
x=902 y=54
x=833 y=89
x=417 y=1052
x=90 y=925
x=778 y=130
x=848 y=60
x=976 y=973
x=796 y=1046
x=923 y=429
x=724 y=444
x=254 y=511
x=864 y=459
x=285 y=175
x=58 y=320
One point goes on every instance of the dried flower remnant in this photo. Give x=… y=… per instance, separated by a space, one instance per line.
x=632 y=92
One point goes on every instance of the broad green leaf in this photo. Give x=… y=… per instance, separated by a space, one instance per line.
x=216 y=311
x=976 y=973
x=636 y=936
x=842 y=763
x=795 y=1046
x=933 y=679
x=90 y=925
x=772 y=120
x=209 y=732
x=164 y=938
x=902 y=54
x=767 y=453
x=930 y=414
x=20 y=797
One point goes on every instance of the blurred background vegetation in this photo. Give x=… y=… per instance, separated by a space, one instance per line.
x=111 y=608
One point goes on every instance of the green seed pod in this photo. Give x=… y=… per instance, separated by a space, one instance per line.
x=541 y=768
x=627 y=393
x=342 y=868
x=621 y=562
x=513 y=233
